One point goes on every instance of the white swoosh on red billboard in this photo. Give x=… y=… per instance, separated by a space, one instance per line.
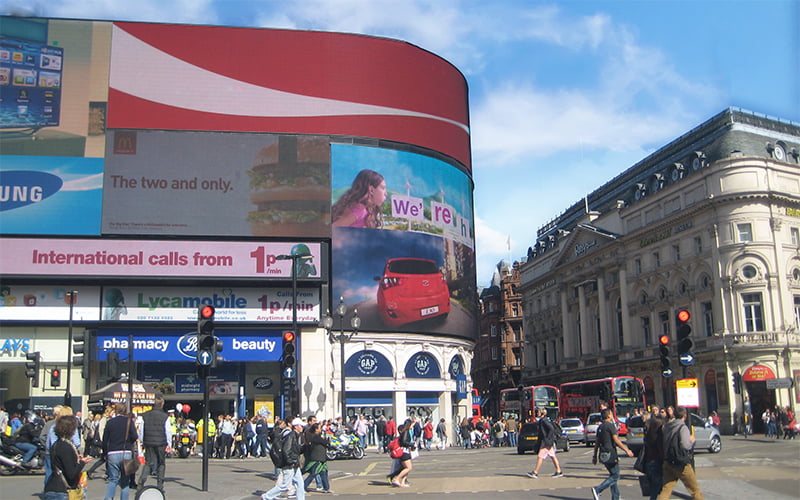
x=241 y=83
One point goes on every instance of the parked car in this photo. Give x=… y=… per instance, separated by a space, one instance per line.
x=635 y=439
x=573 y=429
x=412 y=290
x=593 y=421
x=528 y=439
x=707 y=437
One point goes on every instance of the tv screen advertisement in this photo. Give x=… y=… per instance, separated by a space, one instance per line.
x=403 y=241
x=30 y=84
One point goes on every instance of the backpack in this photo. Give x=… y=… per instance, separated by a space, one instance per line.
x=278 y=453
x=395 y=451
x=676 y=454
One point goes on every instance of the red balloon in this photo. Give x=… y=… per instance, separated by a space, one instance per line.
x=186 y=408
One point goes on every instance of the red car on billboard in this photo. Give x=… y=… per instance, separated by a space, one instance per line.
x=412 y=290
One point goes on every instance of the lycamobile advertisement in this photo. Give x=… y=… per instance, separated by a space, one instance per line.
x=231 y=304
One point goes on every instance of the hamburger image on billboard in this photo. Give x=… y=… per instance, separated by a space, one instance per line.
x=290 y=184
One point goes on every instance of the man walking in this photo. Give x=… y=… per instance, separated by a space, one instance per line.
x=157 y=440
x=226 y=437
x=547 y=446
x=678 y=445
x=606 y=444
x=288 y=462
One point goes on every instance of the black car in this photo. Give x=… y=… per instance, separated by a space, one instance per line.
x=528 y=439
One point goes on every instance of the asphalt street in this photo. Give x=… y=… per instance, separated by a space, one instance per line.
x=746 y=469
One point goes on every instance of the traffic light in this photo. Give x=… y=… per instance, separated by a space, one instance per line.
x=737 y=383
x=684 y=332
x=33 y=366
x=205 y=336
x=663 y=349
x=55 y=377
x=289 y=350
x=78 y=351
x=112 y=365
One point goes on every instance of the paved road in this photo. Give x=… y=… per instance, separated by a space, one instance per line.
x=746 y=469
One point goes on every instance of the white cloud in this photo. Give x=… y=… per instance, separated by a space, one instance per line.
x=178 y=11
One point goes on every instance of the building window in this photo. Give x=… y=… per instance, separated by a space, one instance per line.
x=544 y=353
x=663 y=319
x=708 y=319
x=493 y=329
x=514 y=310
x=676 y=252
x=745 y=232
x=656 y=260
x=753 y=312
x=698 y=245
x=535 y=357
x=705 y=282
x=795 y=232
x=645 y=329
x=797 y=311
x=637 y=266
x=749 y=272
x=555 y=353
x=494 y=353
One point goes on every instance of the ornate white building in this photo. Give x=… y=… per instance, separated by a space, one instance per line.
x=709 y=223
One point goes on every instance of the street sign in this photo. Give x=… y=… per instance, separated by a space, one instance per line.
x=288 y=373
x=205 y=358
x=667 y=372
x=687 y=359
x=688 y=392
x=780 y=383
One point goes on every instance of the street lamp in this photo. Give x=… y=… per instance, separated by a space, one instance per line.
x=71 y=295
x=342 y=337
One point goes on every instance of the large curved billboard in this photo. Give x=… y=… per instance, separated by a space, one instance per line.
x=403 y=241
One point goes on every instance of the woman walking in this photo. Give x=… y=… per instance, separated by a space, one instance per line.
x=606 y=444
x=119 y=439
x=67 y=464
x=317 y=459
x=399 y=478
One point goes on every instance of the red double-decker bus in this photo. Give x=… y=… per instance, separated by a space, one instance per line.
x=533 y=396
x=621 y=394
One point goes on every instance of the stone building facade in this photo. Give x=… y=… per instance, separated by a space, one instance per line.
x=709 y=223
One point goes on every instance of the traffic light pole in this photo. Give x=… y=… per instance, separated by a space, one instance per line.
x=68 y=395
x=206 y=424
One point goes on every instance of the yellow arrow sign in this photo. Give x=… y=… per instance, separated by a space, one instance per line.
x=686 y=383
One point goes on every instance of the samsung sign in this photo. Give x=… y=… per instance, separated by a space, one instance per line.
x=157 y=345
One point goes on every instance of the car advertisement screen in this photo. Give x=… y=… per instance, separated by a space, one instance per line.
x=237 y=184
x=403 y=241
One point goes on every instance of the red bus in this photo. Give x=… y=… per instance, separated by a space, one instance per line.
x=476 y=406
x=533 y=396
x=621 y=394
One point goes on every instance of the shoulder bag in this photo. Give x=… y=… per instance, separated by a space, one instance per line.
x=78 y=493
x=131 y=465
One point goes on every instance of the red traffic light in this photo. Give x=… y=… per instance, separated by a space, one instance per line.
x=663 y=340
x=684 y=316
x=56 y=372
x=206 y=312
x=288 y=336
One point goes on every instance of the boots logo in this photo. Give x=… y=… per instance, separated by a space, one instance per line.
x=187 y=345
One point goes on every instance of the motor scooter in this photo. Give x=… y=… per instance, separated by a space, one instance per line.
x=11 y=458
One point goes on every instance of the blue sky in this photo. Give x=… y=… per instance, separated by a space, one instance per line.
x=563 y=95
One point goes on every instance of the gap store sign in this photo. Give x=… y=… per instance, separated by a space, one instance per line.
x=160 y=345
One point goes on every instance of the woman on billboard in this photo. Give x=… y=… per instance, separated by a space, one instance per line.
x=360 y=206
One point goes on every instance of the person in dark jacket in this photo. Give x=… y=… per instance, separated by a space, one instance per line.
x=547 y=445
x=290 y=469
x=156 y=438
x=677 y=429
x=317 y=459
x=119 y=439
x=654 y=451
x=26 y=438
x=67 y=464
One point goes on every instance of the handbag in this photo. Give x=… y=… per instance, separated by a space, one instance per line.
x=78 y=493
x=639 y=463
x=414 y=453
x=131 y=465
x=605 y=457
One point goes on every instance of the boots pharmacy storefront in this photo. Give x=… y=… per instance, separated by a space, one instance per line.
x=161 y=320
